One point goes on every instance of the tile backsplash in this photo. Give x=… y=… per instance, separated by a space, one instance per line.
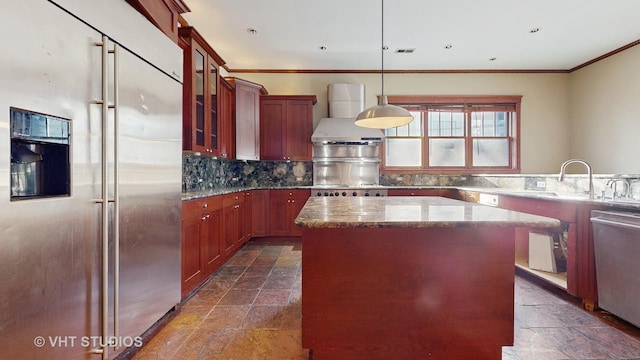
x=206 y=173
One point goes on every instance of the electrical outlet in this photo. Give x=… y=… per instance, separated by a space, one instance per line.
x=541 y=184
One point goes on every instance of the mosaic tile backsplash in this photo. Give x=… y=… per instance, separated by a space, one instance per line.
x=206 y=173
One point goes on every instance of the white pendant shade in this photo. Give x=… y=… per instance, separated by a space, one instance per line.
x=383 y=116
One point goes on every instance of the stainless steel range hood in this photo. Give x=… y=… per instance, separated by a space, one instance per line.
x=343 y=130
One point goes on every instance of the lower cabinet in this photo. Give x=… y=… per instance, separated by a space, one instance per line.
x=232 y=224
x=284 y=206
x=201 y=241
x=260 y=213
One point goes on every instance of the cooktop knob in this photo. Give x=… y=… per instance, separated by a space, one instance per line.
x=354 y=193
x=318 y=193
x=378 y=194
x=326 y=193
x=366 y=194
x=344 y=193
x=337 y=193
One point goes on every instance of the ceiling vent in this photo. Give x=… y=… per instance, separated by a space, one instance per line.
x=405 y=51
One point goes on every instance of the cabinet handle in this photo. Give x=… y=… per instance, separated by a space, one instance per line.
x=205 y=205
x=290 y=194
x=205 y=217
x=293 y=201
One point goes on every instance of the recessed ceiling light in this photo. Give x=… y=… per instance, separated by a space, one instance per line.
x=252 y=31
x=385 y=47
x=534 y=30
x=493 y=59
x=322 y=47
x=448 y=46
x=405 y=51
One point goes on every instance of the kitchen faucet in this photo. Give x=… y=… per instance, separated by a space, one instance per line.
x=589 y=173
x=613 y=183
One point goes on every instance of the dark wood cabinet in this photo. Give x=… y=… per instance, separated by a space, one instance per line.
x=579 y=279
x=247 y=117
x=201 y=241
x=232 y=213
x=286 y=124
x=284 y=206
x=413 y=192
x=227 y=120
x=260 y=213
x=201 y=128
x=164 y=14
x=247 y=216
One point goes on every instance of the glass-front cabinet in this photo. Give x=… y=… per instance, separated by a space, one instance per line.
x=201 y=130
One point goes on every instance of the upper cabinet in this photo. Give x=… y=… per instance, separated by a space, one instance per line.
x=286 y=124
x=226 y=119
x=163 y=14
x=247 y=117
x=201 y=129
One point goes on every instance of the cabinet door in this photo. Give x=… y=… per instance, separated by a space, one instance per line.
x=295 y=206
x=226 y=115
x=192 y=271
x=272 y=125
x=260 y=213
x=212 y=129
x=200 y=95
x=299 y=127
x=211 y=245
x=198 y=122
x=247 y=98
x=283 y=209
x=278 y=209
x=247 y=213
x=232 y=221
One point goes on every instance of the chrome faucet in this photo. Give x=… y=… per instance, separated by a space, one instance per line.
x=589 y=173
x=613 y=184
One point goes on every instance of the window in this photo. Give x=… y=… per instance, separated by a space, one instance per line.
x=467 y=134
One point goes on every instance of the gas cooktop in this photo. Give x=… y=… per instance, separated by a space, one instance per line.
x=346 y=191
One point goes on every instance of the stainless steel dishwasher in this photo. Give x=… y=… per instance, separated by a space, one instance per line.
x=616 y=238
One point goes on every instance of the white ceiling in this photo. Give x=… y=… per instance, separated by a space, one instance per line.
x=291 y=32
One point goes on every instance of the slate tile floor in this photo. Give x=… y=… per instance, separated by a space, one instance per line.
x=251 y=309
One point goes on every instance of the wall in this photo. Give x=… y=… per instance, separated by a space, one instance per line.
x=545 y=102
x=605 y=113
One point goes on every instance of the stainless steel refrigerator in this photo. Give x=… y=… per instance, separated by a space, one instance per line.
x=90 y=178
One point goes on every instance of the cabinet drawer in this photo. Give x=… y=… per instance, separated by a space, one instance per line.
x=280 y=194
x=232 y=199
x=199 y=206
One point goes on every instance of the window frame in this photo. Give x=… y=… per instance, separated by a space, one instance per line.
x=513 y=134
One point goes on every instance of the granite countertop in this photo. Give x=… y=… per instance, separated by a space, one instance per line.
x=412 y=211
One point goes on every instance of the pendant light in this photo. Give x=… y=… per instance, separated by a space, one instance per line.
x=383 y=115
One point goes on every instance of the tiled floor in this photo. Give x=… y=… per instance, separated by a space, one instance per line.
x=251 y=309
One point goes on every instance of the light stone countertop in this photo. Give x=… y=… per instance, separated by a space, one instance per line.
x=411 y=211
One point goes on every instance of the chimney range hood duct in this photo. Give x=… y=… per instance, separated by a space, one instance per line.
x=345 y=102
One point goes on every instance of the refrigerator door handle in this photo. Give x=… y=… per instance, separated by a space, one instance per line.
x=105 y=200
x=116 y=196
x=116 y=192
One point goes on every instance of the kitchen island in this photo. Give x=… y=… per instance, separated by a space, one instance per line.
x=408 y=277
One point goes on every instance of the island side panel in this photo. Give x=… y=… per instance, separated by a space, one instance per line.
x=407 y=293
